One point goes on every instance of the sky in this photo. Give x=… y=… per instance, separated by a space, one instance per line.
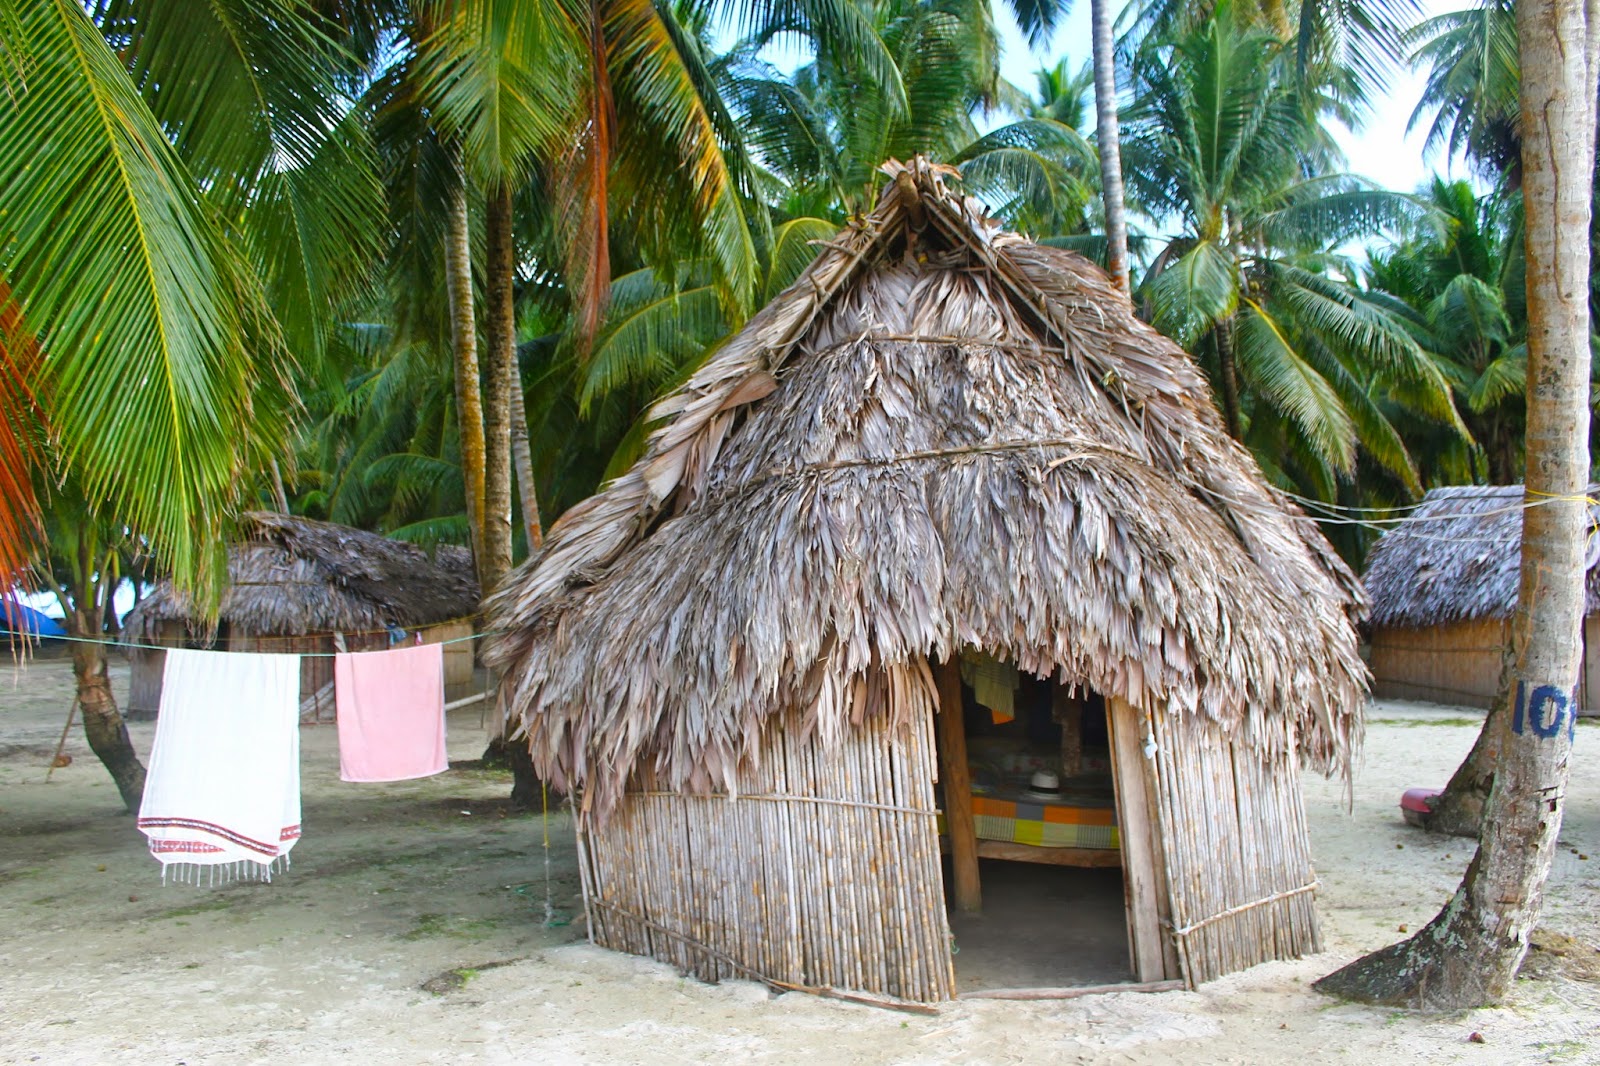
x=1381 y=151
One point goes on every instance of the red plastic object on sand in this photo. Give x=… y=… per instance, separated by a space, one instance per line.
x=1414 y=805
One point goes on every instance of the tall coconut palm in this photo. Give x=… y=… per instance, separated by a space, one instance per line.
x=216 y=214
x=1108 y=139
x=1468 y=956
x=1471 y=90
x=1221 y=143
x=611 y=103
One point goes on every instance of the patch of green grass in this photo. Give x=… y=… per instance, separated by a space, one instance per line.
x=1563 y=1051
x=442 y=925
x=1415 y=723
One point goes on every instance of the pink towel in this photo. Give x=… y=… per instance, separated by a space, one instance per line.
x=390 y=706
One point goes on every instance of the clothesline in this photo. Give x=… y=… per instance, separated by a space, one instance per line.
x=113 y=642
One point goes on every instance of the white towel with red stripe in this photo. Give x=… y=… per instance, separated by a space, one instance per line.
x=223 y=788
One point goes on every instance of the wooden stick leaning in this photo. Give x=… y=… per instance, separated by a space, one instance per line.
x=72 y=712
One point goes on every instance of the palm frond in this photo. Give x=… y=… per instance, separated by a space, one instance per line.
x=434 y=531
x=652 y=329
x=20 y=424
x=158 y=384
x=493 y=78
x=1191 y=295
x=1289 y=383
x=841 y=30
x=242 y=88
x=792 y=251
x=1502 y=379
x=1327 y=213
x=315 y=231
x=669 y=112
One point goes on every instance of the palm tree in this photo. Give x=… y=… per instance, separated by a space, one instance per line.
x=1469 y=954
x=216 y=215
x=81 y=568
x=1108 y=139
x=1472 y=86
x=1459 y=280
x=1222 y=144
x=822 y=131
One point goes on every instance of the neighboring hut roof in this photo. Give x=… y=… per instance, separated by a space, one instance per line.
x=1456 y=559
x=940 y=435
x=293 y=576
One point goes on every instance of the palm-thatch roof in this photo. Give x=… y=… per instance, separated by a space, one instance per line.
x=940 y=435
x=1456 y=559
x=294 y=576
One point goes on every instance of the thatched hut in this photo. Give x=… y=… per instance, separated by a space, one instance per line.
x=942 y=441
x=298 y=585
x=1443 y=585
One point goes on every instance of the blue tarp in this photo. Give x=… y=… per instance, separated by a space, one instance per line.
x=20 y=618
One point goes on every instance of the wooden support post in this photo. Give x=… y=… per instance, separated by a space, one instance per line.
x=1068 y=713
x=955 y=779
x=1136 y=829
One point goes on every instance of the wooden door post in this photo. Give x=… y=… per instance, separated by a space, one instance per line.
x=956 y=779
x=1136 y=829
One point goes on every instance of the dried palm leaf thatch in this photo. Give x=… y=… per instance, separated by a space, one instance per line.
x=294 y=576
x=941 y=435
x=1456 y=558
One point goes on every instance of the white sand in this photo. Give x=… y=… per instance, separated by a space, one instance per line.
x=395 y=884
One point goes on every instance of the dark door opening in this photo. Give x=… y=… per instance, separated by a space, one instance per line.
x=1043 y=810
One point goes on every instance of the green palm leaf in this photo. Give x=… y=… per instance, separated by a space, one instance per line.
x=1502 y=379
x=670 y=114
x=153 y=331
x=493 y=77
x=792 y=251
x=1272 y=363
x=1191 y=295
x=651 y=330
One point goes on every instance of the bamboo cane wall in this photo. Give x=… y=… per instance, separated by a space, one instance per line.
x=1236 y=847
x=1455 y=663
x=1460 y=662
x=824 y=873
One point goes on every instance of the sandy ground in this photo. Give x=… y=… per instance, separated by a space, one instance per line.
x=433 y=883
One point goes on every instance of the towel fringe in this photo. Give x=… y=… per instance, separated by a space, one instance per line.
x=215 y=875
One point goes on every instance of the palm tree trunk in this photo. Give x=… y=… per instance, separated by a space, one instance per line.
x=103 y=726
x=464 y=347
x=280 y=495
x=1458 y=811
x=500 y=337
x=522 y=458
x=83 y=603
x=1228 y=370
x=1469 y=954
x=1108 y=137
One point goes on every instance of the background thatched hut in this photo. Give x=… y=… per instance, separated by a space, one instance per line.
x=941 y=439
x=298 y=585
x=1443 y=585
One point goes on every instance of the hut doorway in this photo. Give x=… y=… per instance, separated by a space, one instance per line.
x=1038 y=897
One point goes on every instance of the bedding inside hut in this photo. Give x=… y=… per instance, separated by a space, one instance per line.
x=1041 y=731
